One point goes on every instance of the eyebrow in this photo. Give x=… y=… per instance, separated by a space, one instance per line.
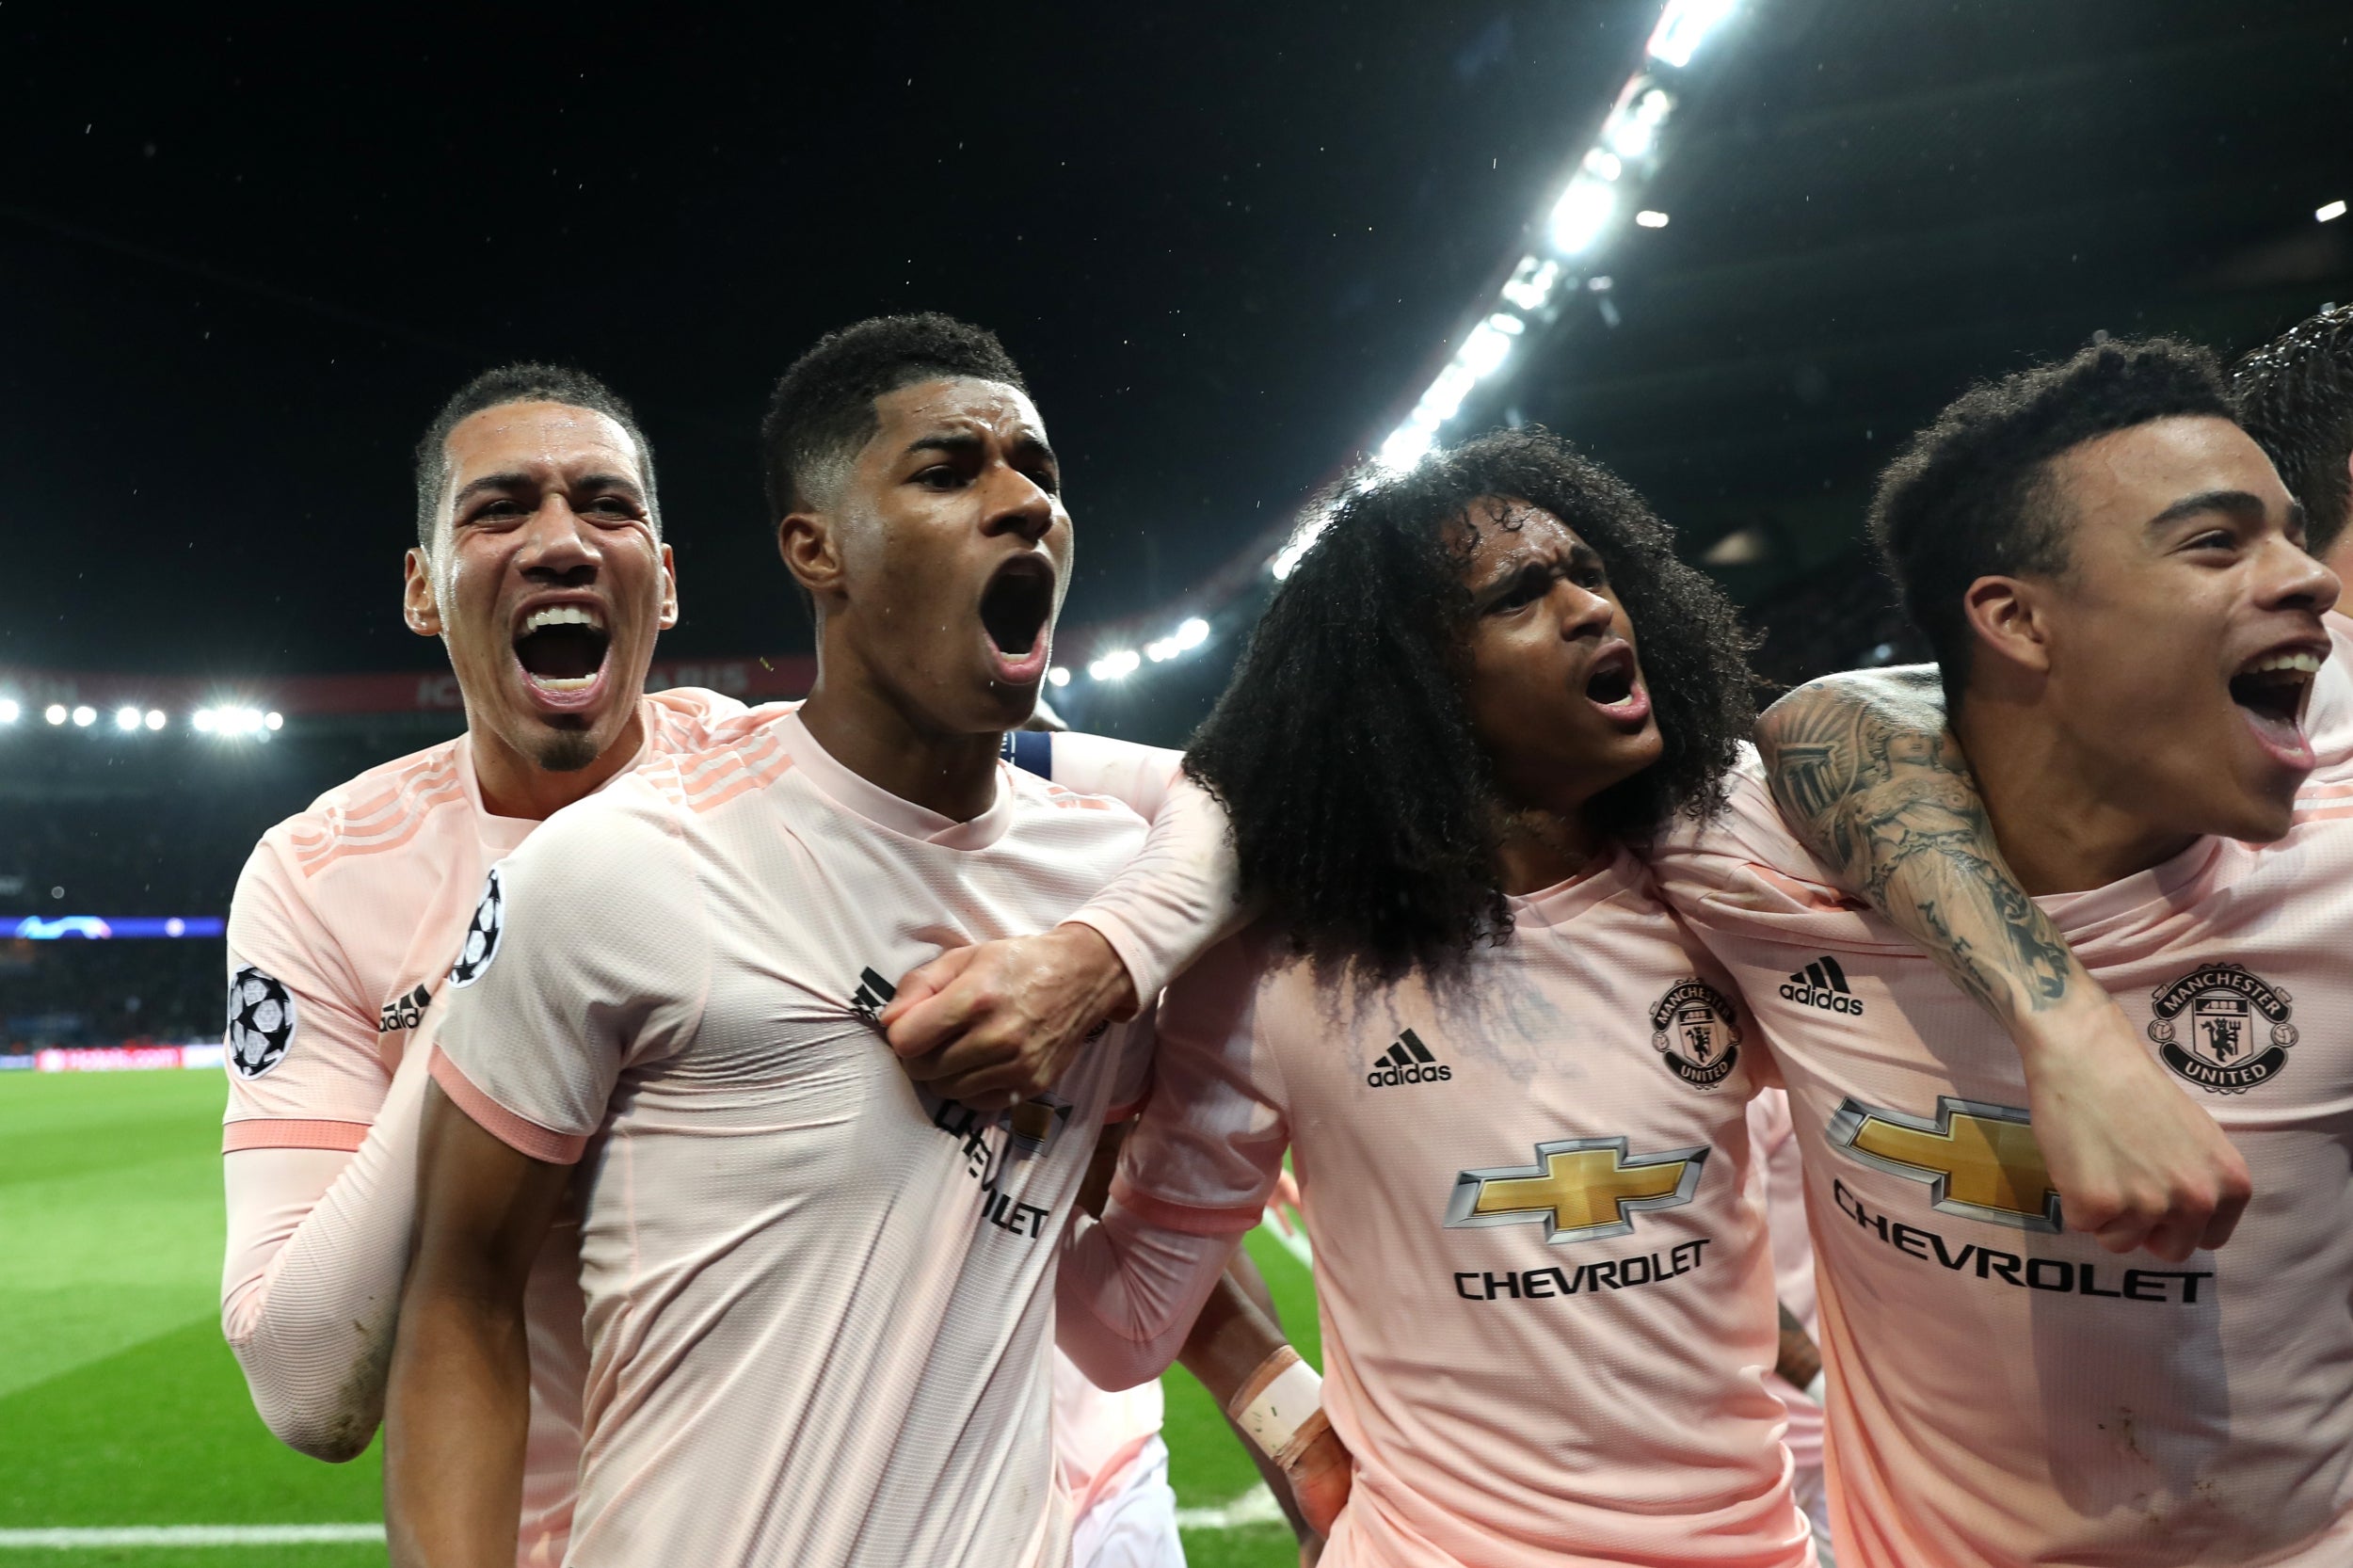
x=2243 y=505
x=960 y=443
x=1579 y=554
x=493 y=482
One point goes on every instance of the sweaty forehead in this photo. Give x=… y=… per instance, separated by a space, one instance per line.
x=955 y=404
x=538 y=438
x=1500 y=529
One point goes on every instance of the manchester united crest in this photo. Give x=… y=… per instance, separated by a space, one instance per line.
x=2221 y=1028
x=1697 y=1028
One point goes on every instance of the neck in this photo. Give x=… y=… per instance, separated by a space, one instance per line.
x=872 y=730
x=1542 y=849
x=513 y=785
x=2059 y=812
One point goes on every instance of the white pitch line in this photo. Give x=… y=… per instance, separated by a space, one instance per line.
x=1292 y=1241
x=1255 y=1506
x=192 y=1535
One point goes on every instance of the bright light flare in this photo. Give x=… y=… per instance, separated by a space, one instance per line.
x=1632 y=129
x=1650 y=218
x=1116 y=665
x=83 y=717
x=1684 y=25
x=236 y=721
x=126 y=718
x=1287 y=559
x=1191 y=632
x=55 y=713
x=1531 y=282
x=1583 y=213
x=154 y=718
x=1058 y=676
x=9 y=711
x=2328 y=214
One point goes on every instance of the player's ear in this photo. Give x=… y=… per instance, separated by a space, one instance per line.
x=418 y=605
x=2012 y=621
x=669 y=589
x=812 y=546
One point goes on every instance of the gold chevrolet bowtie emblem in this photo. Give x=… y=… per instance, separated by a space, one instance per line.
x=1584 y=1187
x=1980 y=1161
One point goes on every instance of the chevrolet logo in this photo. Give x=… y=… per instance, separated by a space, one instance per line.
x=1980 y=1161
x=1585 y=1189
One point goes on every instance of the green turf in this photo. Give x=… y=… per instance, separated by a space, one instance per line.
x=119 y=1404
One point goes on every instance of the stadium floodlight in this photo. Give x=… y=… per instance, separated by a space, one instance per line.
x=272 y=721
x=126 y=718
x=1684 y=25
x=1287 y=559
x=154 y=718
x=1602 y=164
x=1191 y=632
x=1058 y=676
x=9 y=711
x=55 y=713
x=1650 y=218
x=85 y=716
x=1160 y=651
x=204 y=720
x=1581 y=216
x=1632 y=129
x=1115 y=666
x=1531 y=282
x=2330 y=213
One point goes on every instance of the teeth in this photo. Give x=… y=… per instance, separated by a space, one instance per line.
x=564 y=614
x=564 y=683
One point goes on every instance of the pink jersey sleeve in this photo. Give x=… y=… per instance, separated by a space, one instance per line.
x=318 y=1244
x=1745 y=869
x=589 y=952
x=1138 y=777
x=1179 y=896
x=304 y=1070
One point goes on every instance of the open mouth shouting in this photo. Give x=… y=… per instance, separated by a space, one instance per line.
x=1015 y=610
x=562 y=650
x=2271 y=690
x=1613 y=685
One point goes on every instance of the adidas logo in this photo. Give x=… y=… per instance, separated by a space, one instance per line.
x=873 y=995
x=403 y=1012
x=1406 y=1061
x=1822 y=983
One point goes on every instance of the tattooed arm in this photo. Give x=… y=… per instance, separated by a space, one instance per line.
x=1869 y=777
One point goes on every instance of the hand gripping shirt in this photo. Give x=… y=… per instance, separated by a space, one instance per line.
x=2002 y=1393
x=1541 y=1247
x=819 y=1304
x=341 y=937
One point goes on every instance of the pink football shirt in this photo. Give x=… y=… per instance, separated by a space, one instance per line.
x=819 y=1304
x=2003 y=1393
x=1541 y=1250
x=341 y=937
x=1773 y=1139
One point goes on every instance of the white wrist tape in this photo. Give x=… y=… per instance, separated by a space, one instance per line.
x=1818 y=1390
x=1274 y=1413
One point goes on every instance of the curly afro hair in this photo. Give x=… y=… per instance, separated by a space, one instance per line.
x=1364 y=810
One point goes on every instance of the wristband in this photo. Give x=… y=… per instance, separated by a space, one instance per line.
x=1277 y=1400
x=1818 y=1390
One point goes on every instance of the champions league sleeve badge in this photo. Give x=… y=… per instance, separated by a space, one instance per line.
x=1697 y=1028
x=482 y=934
x=2209 y=1026
x=261 y=1022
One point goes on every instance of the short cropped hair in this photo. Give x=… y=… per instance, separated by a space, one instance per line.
x=2296 y=398
x=1971 y=495
x=1363 y=808
x=821 y=412
x=524 y=382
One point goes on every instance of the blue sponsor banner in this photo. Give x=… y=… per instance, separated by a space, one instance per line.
x=55 y=928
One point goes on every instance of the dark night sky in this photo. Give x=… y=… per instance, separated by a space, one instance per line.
x=242 y=260
x=242 y=263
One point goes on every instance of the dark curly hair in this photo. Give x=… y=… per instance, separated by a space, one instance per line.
x=821 y=412
x=1364 y=810
x=2296 y=398
x=1970 y=495
x=519 y=383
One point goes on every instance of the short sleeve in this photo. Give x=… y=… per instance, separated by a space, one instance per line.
x=299 y=1038
x=1209 y=1146
x=589 y=954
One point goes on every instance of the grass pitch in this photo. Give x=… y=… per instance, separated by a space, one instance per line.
x=120 y=1405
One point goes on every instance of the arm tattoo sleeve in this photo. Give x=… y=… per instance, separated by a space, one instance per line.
x=1869 y=777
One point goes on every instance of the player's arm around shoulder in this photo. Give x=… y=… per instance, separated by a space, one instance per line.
x=1869 y=777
